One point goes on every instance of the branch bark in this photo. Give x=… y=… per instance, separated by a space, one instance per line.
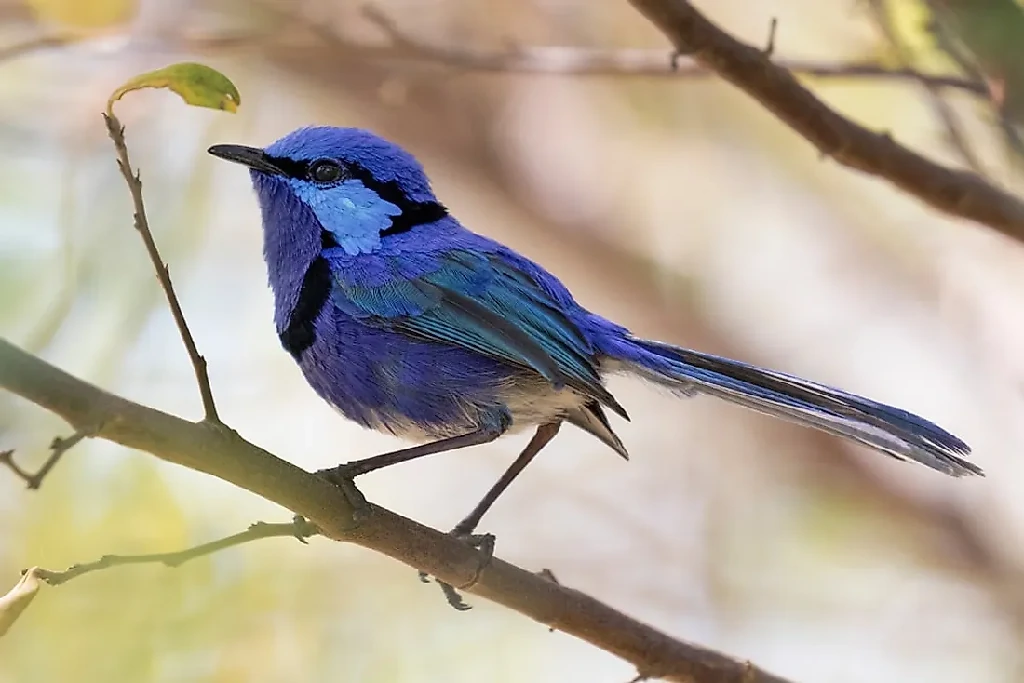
x=956 y=192
x=217 y=450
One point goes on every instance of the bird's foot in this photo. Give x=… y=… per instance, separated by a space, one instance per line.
x=484 y=543
x=343 y=476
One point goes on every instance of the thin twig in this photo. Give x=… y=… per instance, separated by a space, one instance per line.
x=58 y=447
x=134 y=181
x=943 y=111
x=769 y=47
x=7 y=460
x=299 y=528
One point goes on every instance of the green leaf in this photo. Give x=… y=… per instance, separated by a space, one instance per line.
x=197 y=84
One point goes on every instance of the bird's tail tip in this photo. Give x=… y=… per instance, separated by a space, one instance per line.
x=893 y=431
x=954 y=465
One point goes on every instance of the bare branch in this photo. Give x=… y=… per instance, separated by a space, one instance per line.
x=956 y=192
x=134 y=181
x=7 y=460
x=215 y=449
x=299 y=529
x=58 y=447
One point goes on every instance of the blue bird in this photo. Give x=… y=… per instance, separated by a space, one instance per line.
x=406 y=322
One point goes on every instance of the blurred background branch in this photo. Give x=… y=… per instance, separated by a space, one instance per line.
x=549 y=60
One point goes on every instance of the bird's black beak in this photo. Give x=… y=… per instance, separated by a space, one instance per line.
x=253 y=157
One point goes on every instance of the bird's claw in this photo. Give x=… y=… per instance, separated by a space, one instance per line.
x=344 y=478
x=303 y=529
x=346 y=471
x=453 y=597
x=484 y=543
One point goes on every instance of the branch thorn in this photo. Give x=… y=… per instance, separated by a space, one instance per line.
x=769 y=48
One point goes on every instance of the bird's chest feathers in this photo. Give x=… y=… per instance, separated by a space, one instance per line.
x=352 y=213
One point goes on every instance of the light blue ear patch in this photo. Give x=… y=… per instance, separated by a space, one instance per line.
x=350 y=211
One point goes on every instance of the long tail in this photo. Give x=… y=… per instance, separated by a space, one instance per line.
x=896 y=432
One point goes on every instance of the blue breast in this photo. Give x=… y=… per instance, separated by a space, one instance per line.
x=381 y=378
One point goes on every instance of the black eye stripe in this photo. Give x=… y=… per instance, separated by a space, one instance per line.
x=413 y=213
x=290 y=167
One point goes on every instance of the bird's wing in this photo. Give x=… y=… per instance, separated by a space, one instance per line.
x=480 y=302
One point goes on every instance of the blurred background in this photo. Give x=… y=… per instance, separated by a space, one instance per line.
x=675 y=205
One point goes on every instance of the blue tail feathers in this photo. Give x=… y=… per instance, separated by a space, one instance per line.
x=896 y=432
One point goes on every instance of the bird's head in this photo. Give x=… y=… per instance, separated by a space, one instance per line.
x=351 y=187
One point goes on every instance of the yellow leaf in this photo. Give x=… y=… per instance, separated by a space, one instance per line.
x=83 y=14
x=15 y=602
x=197 y=84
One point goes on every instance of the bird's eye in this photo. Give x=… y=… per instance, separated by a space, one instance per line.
x=325 y=171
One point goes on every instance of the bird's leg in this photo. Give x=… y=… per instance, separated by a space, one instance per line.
x=485 y=542
x=350 y=470
x=343 y=475
x=541 y=437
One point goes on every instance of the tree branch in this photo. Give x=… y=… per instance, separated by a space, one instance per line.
x=134 y=181
x=215 y=449
x=58 y=447
x=298 y=528
x=956 y=192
